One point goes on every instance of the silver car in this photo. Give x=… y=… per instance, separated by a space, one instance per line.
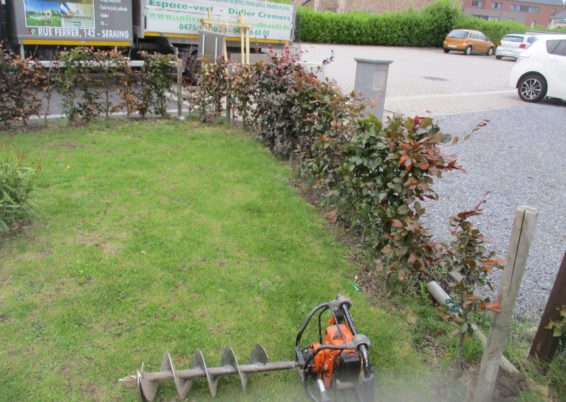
x=513 y=44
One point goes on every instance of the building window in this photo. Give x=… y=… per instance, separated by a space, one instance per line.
x=477 y=4
x=496 y=5
x=524 y=9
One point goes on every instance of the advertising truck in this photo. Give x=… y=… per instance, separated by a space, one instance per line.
x=43 y=26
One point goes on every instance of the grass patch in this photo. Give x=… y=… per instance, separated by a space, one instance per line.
x=165 y=236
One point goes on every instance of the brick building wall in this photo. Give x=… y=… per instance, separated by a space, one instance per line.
x=386 y=6
x=369 y=6
x=529 y=13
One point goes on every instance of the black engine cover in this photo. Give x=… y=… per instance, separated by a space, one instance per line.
x=347 y=366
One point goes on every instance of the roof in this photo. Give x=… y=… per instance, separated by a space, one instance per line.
x=559 y=16
x=545 y=2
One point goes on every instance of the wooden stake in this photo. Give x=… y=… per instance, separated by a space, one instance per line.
x=228 y=93
x=179 y=66
x=545 y=344
x=242 y=34
x=247 y=46
x=521 y=237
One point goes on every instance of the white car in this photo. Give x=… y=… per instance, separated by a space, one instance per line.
x=512 y=45
x=540 y=70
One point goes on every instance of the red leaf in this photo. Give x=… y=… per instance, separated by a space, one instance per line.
x=493 y=307
x=331 y=216
x=386 y=250
x=424 y=165
x=397 y=223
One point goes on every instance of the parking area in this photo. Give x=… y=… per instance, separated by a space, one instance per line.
x=425 y=80
x=518 y=157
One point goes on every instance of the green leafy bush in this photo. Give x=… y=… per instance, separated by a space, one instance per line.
x=89 y=76
x=113 y=69
x=154 y=82
x=495 y=30
x=242 y=90
x=211 y=89
x=80 y=89
x=467 y=255
x=377 y=178
x=17 y=181
x=293 y=108
x=19 y=79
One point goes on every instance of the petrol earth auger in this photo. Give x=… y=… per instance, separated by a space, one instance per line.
x=338 y=361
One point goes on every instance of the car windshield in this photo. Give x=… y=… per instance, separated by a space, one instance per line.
x=512 y=38
x=458 y=34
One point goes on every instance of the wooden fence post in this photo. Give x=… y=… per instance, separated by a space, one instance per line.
x=179 y=65
x=521 y=237
x=229 y=93
x=545 y=344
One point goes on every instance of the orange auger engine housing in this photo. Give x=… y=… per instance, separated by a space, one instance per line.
x=340 y=360
x=345 y=361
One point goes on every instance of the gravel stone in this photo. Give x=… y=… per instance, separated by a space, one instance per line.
x=520 y=159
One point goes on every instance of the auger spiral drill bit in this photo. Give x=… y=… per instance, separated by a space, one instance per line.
x=339 y=361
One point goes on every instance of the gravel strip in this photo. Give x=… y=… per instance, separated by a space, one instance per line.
x=520 y=158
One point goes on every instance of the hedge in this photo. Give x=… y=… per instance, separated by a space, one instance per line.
x=495 y=30
x=426 y=28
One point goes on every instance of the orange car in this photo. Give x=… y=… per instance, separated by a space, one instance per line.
x=468 y=41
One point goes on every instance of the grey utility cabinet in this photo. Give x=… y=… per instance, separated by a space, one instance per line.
x=371 y=82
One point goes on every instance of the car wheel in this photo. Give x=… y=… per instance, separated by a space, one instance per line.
x=468 y=51
x=498 y=57
x=490 y=51
x=446 y=50
x=532 y=88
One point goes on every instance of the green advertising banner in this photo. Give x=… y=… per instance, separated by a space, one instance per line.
x=269 y=21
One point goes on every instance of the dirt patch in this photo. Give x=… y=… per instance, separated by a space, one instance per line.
x=35 y=255
x=89 y=239
x=507 y=388
x=5 y=317
x=109 y=246
x=66 y=369
x=64 y=144
x=91 y=389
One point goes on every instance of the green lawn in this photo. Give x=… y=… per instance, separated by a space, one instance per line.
x=166 y=236
x=43 y=21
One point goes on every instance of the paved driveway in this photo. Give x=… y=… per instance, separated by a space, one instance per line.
x=422 y=80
